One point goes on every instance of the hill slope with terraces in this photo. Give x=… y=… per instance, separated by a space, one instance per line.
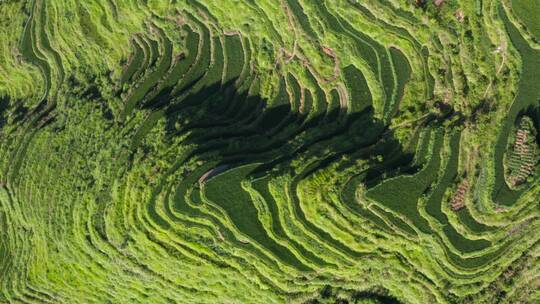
x=272 y=151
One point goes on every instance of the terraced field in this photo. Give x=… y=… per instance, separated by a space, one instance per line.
x=272 y=151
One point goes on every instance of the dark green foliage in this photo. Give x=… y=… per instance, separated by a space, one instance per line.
x=302 y=18
x=358 y=88
x=165 y=58
x=466 y=218
x=335 y=295
x=261 y=152
x=528 y=11
x=261 y=186
x=135 y=62
x=528 y=95
x=235 y=57
x=225 y=191
x=401 y=194
x=433 y=204
x=403 y=73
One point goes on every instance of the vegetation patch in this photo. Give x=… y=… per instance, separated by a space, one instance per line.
x=268 y=151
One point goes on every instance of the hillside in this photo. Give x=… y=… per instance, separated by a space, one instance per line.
x=269 y=151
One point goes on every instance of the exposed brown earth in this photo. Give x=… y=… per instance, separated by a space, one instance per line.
x=458 y=201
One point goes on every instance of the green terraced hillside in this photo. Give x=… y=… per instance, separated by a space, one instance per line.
x=270 y=151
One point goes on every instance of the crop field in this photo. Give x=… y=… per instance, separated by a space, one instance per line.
x=270 y=151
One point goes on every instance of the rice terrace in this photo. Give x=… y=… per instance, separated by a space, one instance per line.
x=270 y=151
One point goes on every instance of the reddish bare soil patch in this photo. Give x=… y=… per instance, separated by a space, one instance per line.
x=458 y=200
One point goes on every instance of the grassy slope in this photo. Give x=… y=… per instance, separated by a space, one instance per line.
x=261 y=152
